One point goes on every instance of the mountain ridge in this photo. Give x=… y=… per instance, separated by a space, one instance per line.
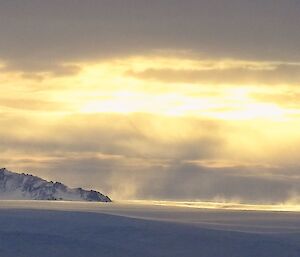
x=21 y=186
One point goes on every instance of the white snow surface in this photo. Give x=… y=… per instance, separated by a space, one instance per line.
x=15 y=186
x=122 y=229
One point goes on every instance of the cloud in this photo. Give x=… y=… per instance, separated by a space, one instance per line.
x=287 y=98
x=31 y=104
x=130 y=135
x=148 y=156
x=191 y=182
x=272 y=74
x=153 y=99
x=40 y=35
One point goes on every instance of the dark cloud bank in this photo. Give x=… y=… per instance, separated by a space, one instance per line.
x=39 y=35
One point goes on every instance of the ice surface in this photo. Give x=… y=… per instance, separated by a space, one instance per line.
x=62 y=229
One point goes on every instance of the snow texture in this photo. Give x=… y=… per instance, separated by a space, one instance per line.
x=14 y=186
x=39 y=229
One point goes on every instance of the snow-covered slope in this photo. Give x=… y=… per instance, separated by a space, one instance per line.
x=14 y=186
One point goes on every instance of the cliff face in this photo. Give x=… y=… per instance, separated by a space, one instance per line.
x=15 y=186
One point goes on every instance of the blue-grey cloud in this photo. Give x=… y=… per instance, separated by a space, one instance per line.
x=38 y=35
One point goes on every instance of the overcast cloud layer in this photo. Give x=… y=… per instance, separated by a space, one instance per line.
x=39 y=34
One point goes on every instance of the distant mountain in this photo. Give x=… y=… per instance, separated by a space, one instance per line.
x=15 y=186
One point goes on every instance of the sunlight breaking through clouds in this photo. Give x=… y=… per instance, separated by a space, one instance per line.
x=126 y=123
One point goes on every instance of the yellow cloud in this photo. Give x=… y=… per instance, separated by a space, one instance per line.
x=179 y=111
x=106 y=87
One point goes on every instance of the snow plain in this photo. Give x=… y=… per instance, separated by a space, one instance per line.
x=81 y=229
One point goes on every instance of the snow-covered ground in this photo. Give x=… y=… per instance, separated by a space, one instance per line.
x=80 y=229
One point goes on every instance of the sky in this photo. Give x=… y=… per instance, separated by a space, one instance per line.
x=161 y=99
